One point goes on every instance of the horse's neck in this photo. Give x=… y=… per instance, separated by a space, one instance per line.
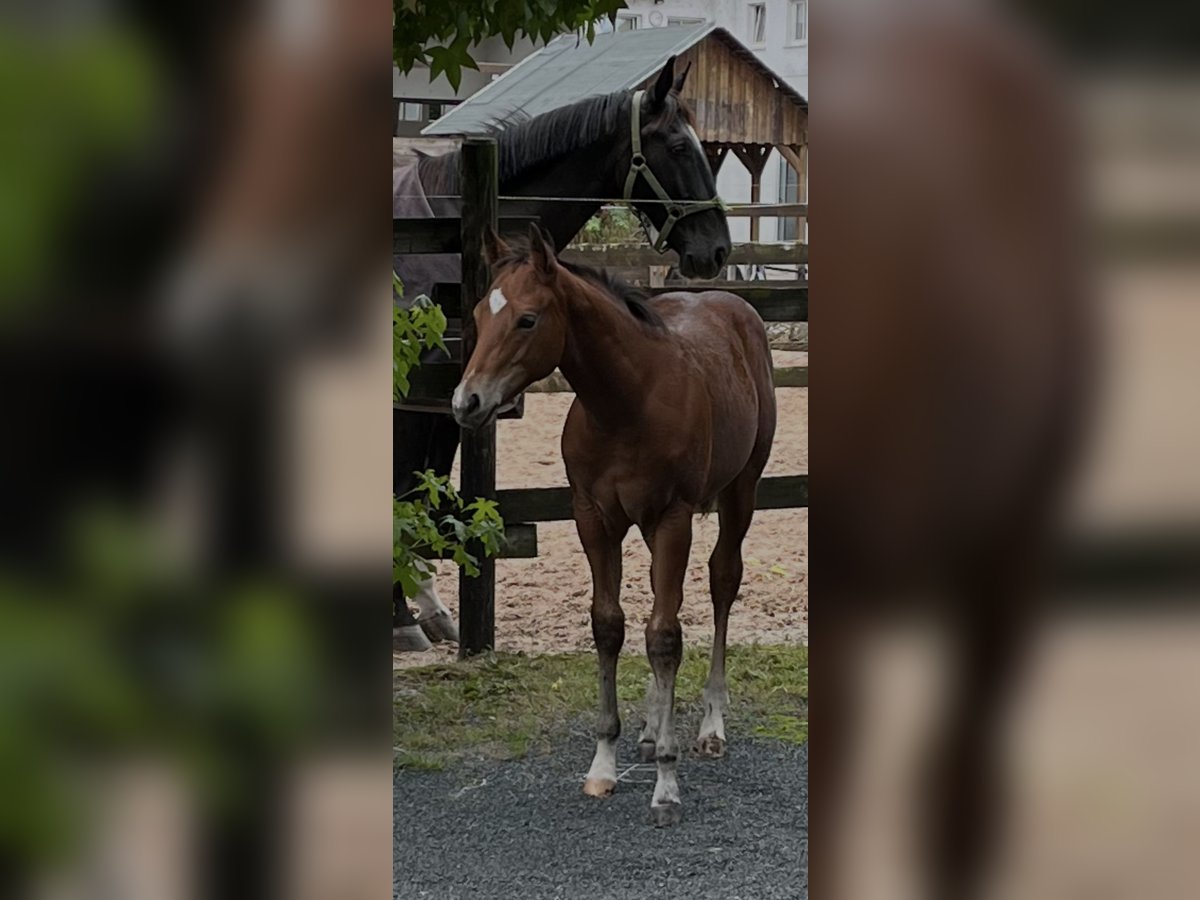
x=588 y=172
x=605 y=357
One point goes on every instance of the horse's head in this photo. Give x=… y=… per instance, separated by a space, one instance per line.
x=521 y=329
x=675 y=157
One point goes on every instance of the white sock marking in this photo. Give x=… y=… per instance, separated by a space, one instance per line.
x=427 y=599
x=604 y=763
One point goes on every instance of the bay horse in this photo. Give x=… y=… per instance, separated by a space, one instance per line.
x=674 y=413
x=585 y=150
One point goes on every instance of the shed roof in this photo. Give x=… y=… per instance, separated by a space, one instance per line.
x=569 y=68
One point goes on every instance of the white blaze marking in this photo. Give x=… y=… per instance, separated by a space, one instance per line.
x=695 y=138
x=497 y=301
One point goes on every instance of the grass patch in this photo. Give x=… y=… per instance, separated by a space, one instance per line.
x=504 y=706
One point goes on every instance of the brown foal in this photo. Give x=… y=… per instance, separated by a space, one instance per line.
x=674 y=413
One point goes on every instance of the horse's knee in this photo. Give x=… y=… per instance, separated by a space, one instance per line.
x=608 y=629
x=724 y=576
x=664 y=642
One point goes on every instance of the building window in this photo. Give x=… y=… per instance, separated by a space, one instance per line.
x=789 y=192
x=798 y=22
x=414 y=112
x=627 y=23
x=675 y=20
x=758 y=24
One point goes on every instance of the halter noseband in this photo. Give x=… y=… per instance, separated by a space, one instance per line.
x=638 y=165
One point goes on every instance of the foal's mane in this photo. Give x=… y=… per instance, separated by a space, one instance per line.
x=633 y=299
x=527 y=143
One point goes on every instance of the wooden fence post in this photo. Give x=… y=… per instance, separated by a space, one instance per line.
x=479 y=180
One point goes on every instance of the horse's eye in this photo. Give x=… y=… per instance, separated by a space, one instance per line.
x=527 y=321
x=679 y=149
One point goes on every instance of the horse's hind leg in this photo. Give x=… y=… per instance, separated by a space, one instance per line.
x=407 y=636
x=436 y=621
x=736 y=509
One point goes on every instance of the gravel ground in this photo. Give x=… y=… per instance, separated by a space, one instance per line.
x=525 y=830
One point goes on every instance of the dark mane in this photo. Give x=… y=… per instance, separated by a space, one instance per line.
x=634 y=300
x=525 y=143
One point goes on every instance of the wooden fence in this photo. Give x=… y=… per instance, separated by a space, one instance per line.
x=433 y=383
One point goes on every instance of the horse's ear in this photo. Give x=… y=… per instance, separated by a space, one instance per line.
x=494 y=248
x=541 y=250
x=677 y=87
x=662 y=87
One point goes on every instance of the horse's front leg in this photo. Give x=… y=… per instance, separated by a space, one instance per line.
x=603 y=548
x=670 y=545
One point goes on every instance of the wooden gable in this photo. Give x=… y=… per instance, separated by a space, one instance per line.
x=735 y=101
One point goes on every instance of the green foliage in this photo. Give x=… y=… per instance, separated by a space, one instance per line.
x=611 y=226
x=440 y=34
x=71 y=102
x=413 y=330
x=120 y=655
x=433 y=520
x=505 y=705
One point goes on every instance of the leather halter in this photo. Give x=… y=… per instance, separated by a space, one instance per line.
x=638 y=165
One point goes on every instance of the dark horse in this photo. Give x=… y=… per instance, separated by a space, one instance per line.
x=674 y=414
x=584 y=150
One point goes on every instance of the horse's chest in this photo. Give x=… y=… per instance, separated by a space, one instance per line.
x=640 y=477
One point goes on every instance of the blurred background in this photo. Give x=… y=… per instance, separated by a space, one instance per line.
x=195 y=450
x=1003 y=427
x=194 y=680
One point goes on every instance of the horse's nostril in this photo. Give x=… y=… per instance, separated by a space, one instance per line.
x=722 y=255
x=473 y=403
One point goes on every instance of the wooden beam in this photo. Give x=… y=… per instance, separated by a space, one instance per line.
x=716 y=154
x=776 y=301
x=479 y=180
x=754 y=158
x=792 y=155
x=786 y=303
x=444 y=235
x=520 y=542
x=743 y=254
x=556 y=382
x=554 y=504
x=765 y=210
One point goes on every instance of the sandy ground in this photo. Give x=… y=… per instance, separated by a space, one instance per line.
x=542 y=604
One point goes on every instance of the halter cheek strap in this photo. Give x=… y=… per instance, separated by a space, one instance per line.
x=676 y=209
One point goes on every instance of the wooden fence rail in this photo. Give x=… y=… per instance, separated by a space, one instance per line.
x=776 y=301
x=444 y=235
x=793 y=253
x=554 y=504
x=766 y=210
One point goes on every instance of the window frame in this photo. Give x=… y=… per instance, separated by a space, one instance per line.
x=786 y=187
x=792 y=40
x=752 y=11
x=626 y=17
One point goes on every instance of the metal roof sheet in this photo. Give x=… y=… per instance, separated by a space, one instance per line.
x=569 y=68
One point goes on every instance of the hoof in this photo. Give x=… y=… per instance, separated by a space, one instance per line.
x=599 y=787
x=409 y=639
x=439 y=627
x=646 y=751
x=711 y=747
x=666 y=814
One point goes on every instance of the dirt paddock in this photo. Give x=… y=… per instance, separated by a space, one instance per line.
x=542 y=604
